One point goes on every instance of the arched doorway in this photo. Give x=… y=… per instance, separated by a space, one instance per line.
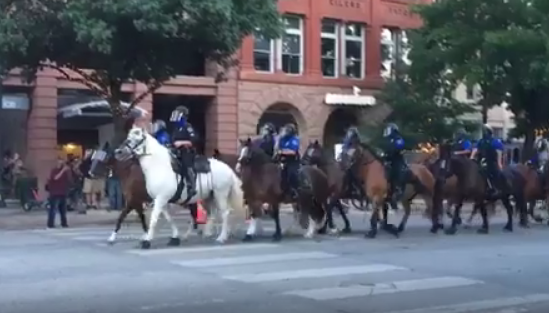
x=280 y=114
x=338 y=121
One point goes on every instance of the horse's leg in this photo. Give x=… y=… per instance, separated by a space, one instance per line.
x=532 y=213
x=407 y=205
x=225 y=210
x=142 y=219
x=193 y=224
x=484 y=229
x=456 y=219
x=347 y=229
x=295 y=221
x=158 y=206
x=510 y=212
x=277 y=236
x=329 y=220
x=127 y=209
x=374 y=219
x=174 y=239
x=522 y=206
x=253 y=224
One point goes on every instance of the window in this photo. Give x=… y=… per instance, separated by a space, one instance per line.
x=329 y=48
x=263 y=54
x=498 y=132
x=353 y=61
x=291 y=46
x=394 y=51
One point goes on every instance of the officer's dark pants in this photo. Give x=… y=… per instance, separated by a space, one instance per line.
x=290 y=174
x=396 y=174
x=186 y=157
x=495 y=176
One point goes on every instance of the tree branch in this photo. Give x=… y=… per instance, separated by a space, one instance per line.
x=151 y=88
x=85 y=80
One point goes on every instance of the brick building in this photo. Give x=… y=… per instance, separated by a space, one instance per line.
x=330 y=49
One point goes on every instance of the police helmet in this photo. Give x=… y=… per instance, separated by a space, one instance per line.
x=180 y=113
x=487 y=130
x=267 y=129
x=290 y=129
x=351 y=132
x=460 y=133
x=390 y=129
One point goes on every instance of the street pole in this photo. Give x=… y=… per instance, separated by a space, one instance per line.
x=2 y=190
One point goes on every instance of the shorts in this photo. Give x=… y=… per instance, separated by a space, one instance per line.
x=93 y=186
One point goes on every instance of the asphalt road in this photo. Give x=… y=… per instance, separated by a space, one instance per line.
x=73 y=270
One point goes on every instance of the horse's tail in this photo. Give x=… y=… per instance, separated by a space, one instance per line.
x=236 y=196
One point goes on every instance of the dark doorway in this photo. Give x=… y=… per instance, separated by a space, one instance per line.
x=279 y=115
x=339 y=120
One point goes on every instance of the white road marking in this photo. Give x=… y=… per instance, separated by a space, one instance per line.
x=336 y=293
x=476 y=306
x=186 y=250
x=254 y=259
x=313 y=273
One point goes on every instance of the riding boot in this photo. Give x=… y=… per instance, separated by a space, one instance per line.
x=190 y=177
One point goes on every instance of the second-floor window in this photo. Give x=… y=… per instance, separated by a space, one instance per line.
x=263 y=54
x=329 y=48
x=353 y=50
x=291 y=46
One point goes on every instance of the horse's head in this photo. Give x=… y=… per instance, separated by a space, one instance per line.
x=251 y=153
x=133 y=145
x=314 y=154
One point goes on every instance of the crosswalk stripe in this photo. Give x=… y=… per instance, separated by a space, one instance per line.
x=337 y=293
x=186 y=250
x=313 y=273
x=254 y=259
x=476 y=306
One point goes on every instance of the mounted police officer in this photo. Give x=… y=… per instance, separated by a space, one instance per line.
x=541 y=155
x=287 y=151
x=184 y=139
x=489 y=152
x=462 y=145
x=160 y=132
x=393 y=152
x=267 y=133
x=350 y=142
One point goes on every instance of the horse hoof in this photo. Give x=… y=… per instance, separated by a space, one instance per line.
x=174 y=242
x=248 y=238
x=371 y=234
x=538 y=219
x=346 y=230
x=482 y=231
x=508 y=228
x=451 y=231
x=277 y=237
x=392 y=229
x=321 y=231
x=524 y=225
x=400 y=228
x=459 y=221
x=221 y=240
x=110 y=242
x=145 y=244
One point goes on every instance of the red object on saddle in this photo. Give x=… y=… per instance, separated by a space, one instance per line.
x=201 y=214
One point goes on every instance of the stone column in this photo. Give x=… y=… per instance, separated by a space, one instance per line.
x=42 y=127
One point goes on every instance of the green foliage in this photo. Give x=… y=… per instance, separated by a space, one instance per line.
x=149 y=41
x=500 y=45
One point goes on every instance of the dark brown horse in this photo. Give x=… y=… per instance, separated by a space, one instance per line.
x=472 y=186
x=262 y=183
x=366 y=164
x=316 y=155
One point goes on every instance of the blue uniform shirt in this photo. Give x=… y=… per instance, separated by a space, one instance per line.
x=465 y=144
x=289 y=143
x=162 y=137
x=495 y=144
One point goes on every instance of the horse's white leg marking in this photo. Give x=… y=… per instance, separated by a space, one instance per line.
x=168 y=217
x=225 y=215
x=252 y=227
x=112 y=238
x=295 y=222
x=158 y=206
x=208 y=228
x=310 y=229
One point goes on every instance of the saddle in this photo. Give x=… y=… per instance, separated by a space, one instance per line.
x=201 y=164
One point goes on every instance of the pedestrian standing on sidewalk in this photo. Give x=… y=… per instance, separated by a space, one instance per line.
x=58 y=187
x=114 y=192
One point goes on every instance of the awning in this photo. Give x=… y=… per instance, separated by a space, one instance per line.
x=356 y=100
x=96 y=109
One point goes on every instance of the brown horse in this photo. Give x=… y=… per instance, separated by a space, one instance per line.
x=262 y=183
x=472 y=185
x=316 y=155
x=366 y=164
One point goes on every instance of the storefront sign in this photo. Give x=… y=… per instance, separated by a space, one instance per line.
x=346 y=4
x=401 y=11
x=15 y=102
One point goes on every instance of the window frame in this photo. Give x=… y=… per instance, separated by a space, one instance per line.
x=271 y=56
x=292 y=31
x=335 y=36
x=362 y=40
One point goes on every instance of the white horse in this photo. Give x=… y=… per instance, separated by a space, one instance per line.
x=162 y=182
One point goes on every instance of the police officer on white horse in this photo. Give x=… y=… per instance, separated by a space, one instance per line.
x=184 y=140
